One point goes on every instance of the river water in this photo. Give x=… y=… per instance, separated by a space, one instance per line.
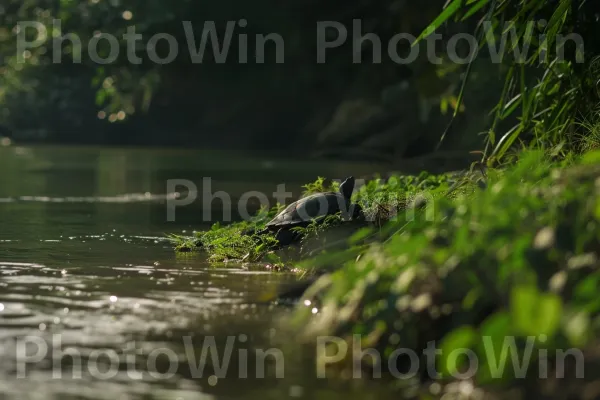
x=94 y=303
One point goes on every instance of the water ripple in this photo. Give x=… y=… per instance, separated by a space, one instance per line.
x=124 y=198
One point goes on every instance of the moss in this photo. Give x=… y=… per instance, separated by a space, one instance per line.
x=380 y=200
x=232 y=242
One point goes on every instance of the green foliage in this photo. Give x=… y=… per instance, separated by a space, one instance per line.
x=84 y=93
x=535 y=313
x=51 y=81
x=516 y=260
x=320 y=185
x=232 y=242
x=590 y=137
x=319 y=225
x=550 y=87
x=461 y=338
x=449 y=11
x=381 y=201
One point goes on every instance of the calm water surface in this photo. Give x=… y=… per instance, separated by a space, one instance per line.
x=94 y=303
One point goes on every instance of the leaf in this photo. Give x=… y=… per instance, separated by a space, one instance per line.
x=474 y=9
x=557 y=20
x=444 y=105
x=471 y=298
x=361 y=234
x=461 y=338
x=535 y=314
x=523 y=307
x=587 y=289
x=443 y=17
x=549 y=314
x=507 y=140
x=494 y=331
x=500 y=106
x=512 y=104
x=591 y=158
x=100 y=97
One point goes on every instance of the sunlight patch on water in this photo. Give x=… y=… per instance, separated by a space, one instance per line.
x=155 y=238
x=99 y=288
x=109 y=301
x=41 y=385
x=141 y=269
x=20 y=264
x=124 y=198
x=248 y=272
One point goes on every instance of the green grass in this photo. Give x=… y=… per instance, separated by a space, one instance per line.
x=381 y=201
x=510 y=253
x=518 y=259
x=591 y=139
x=229 y=242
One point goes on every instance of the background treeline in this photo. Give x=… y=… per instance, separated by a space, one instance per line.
x=364 y=110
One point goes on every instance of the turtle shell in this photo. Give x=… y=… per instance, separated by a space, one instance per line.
x=309 y=208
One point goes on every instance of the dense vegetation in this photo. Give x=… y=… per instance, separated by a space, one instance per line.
x=507 y=258
x=517 y=260
x=510 y=253
x=367 y=109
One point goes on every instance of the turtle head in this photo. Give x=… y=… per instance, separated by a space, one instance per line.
x=347 y=187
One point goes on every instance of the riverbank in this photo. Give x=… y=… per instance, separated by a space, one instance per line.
x=514 y=262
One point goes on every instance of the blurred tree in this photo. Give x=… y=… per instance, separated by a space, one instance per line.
x=46 y=94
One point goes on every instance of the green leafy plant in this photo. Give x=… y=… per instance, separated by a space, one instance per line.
x=549 y=89
x=516 y=260
x=239 y=240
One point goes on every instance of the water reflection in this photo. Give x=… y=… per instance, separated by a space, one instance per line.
x=91 y=293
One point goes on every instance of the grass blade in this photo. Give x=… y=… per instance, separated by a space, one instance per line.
x=443 y=17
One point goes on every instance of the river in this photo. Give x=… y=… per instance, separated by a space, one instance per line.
x=95 y=304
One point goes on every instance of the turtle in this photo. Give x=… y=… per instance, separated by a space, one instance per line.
x=317 y=207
